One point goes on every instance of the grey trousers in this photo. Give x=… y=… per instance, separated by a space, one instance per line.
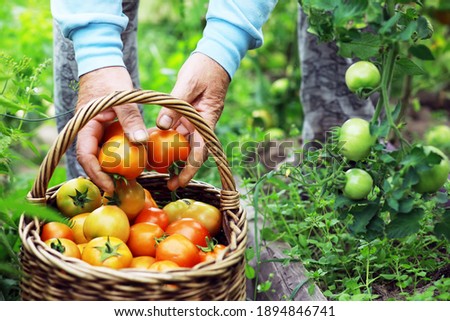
x=324 y=96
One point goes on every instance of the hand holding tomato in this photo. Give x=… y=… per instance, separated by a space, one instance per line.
x=203 y=83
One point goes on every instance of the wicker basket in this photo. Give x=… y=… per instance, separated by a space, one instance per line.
x=48 y=275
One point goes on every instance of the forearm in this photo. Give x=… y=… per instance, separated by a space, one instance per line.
x=234 y=27
x=95 y=27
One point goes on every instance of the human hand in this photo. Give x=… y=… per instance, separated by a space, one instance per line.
x=95 y=84
x=203 y=83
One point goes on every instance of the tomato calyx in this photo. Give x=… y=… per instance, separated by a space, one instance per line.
x=210 y=245
x=80 y=199
x=108 y=250
x=58 y=246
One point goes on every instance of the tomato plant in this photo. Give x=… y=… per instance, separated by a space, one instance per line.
x=128 y=195
x=179 y=249
x=107 y=220
x=64 y=246
x=166 y=147
x=362 y=75
x=153 y=215
x=107 y=251
x=358 y=185
x=191 y=229
x=207 y=215
x=143 y=237
x=118 y=156
x=56 y=230
x=78 y=195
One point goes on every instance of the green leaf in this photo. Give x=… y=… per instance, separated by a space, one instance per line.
x=364 y=46
x=442 y=229
x=421 y=52
x=405 y=224
x=387 y=26
x=249 y=272
x=406 y=205
x=268 y=234
x=424 y=28
x=405 y=66
x=362 y=217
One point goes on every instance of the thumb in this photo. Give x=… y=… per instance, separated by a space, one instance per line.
x=132 y=123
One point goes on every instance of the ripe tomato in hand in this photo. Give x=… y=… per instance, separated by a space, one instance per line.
x=179 y=249
x=65 y=247
x=118 y=156
x=358 y=185
x=78 y=195
x=142 y=239
x=128 y=195
x=355 y=139
x=166 y=147
x=113 y=129
x=56 y=230
x=107 y=251
x=107 y=220
x=362 y=75
x=193 y=230
x=153 y=215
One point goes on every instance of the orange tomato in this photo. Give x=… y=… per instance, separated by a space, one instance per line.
x=164 y=265
x=113 y=129
x=142 y=262
x=128 y=195
x=107 y=251
x=119 y=156
x=142 y=240
x=56 y=230
x=77 y=227
x=192 y=229
x=179 y=249
x=64 y=246
x=149 y=201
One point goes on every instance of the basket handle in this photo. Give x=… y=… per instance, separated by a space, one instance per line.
x=149 y=97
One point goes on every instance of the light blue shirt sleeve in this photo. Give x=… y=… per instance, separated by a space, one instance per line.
x=95 y=27
x=232 y=28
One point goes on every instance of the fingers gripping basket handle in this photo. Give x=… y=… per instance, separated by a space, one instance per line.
x=149 y=97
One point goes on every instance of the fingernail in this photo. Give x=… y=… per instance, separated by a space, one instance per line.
x=140 y=135
x=165 y=122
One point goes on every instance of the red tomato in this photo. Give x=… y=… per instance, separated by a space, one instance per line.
x=129 y=196
x=179 y=249
x=153 y=215
x=113 y=129
x=142 y=239
x=119 y=156
x=211 y=253
x=166 y=147
x=64 y=246
x=107 y=220
x=190 y=228
x=56 y=230
x=107 y=251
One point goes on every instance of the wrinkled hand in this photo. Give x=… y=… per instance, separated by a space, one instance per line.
x=93 y=85
x=203 y=83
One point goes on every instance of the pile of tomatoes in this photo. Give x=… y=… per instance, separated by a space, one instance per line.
x=126 y=228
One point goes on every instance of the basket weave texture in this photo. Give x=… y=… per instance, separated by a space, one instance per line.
x=48 y=275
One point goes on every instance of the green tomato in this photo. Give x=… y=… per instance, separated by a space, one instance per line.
x=433 y=179
x=355 y=139
x=362 y=75
x=78 y=195
x=439 y=136
x=358 y=185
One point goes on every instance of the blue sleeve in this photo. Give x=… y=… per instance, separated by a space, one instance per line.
x=95 y=27
x=232 y=28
